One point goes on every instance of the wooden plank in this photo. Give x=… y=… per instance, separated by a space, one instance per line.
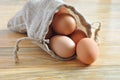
x=109 y=37
x=29 y=57
x=9 y=38
x=37 y=57
x=62 y=73
x=7 y=12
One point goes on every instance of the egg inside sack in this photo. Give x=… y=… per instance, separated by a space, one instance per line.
x=77 y=35
x=87 y=51
x=64 y=24
x=63 y=46
x=62 y=9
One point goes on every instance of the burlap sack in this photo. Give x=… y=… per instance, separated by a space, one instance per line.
x=36 y=16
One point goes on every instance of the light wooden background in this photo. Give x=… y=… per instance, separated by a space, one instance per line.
x=35 y=64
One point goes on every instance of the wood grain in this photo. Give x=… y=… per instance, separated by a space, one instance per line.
x=35 y=64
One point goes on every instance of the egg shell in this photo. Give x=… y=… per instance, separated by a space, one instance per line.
x=62 y=9
x=77 y=35
x=87 y=51
x=63 y=46
x=64 y=24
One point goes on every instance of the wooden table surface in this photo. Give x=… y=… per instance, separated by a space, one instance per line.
x=36 y=64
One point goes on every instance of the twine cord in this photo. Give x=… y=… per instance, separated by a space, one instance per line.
x=17 y=47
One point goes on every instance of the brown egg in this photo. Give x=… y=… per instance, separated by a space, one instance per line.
x=64 y=24
x=87 y=50
x=77 y=35
x=62 y=9
x=63 y=46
